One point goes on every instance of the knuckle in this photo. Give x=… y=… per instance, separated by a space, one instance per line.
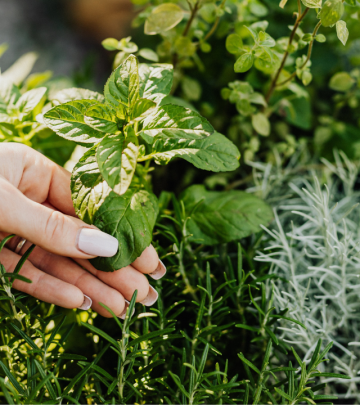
x=55 y=226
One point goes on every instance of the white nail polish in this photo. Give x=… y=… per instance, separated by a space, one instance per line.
x=86 y=304
x=97 y=243
x=151 y=297
x=123 y=314
x=159 y=272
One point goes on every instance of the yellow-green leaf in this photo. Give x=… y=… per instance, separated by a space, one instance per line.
x=163 y=18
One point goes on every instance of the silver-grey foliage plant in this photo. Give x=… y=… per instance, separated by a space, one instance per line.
x=314 y=246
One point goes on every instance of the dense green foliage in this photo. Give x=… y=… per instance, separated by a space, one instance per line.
x=232 y=324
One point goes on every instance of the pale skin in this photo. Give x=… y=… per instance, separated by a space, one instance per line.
x=35 y=204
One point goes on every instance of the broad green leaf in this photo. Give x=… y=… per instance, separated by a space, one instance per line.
x=117 y=162
x=224 y=216
x=72 y=94
x=122 y=86
x=261 y=124
x=88 y=188
x=244 y=63
x=341 y=81
x=331 y=12
x=342 y=31
x=312 y=3
x=155 y=81
x=131 y=219
x=142 y=108
x=215 y=152
x=67 y=120
x=102 y=117
x=234 y=43
x=29 y=100
x=148 y=54
x=173 y=121
x=163 y=18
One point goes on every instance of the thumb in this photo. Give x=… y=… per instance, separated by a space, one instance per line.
x=52 y=230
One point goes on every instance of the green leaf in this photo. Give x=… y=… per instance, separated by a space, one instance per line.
x=174 y=121
x=215 y=152
x=117 y=162
x=306 y=78
x=244 y=63
x=13 y=277
x=122 y=86
x=341 y=81
x=312 y=3
x=12 y=379
x=29 y=100
x=102 y=117
x=247 y=362
x=184 y=46
x=288 y=319
x=178 y=383
x=283 y=3
x=266 y=40
x=342 y=31
x=331 y=12
x=110 y=44
x=155 y=81
x=19 y=70
x=9 y=93
x=163 y=18
x=224 y=216
x=234 y=43
x=148 y=54
x=333 y=375
x=67 y=120
x=88 y=188
x=283 y=394
x=74 y=93
x=130 y=218
x=142 y=108
x=261 y=124
x=99 y=332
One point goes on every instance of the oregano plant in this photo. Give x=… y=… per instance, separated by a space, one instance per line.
x=125 y=130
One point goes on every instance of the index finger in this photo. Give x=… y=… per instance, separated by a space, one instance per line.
x=36 y=176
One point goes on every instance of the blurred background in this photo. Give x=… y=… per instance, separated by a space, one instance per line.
x=66 y=35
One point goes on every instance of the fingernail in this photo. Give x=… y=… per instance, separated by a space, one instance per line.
x=97 y=243
x=151 y=297
x=123 y=314
x=159 y=272
x=86 y=304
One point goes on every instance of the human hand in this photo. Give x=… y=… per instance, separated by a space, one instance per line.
x=36 y=205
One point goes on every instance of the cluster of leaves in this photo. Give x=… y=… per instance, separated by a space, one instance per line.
x=187 y=349
x=127 y=126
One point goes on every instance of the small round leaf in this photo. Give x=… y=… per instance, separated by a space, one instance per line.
x=244 y=63
x=261 y=124
x=234 y=43
x=163 y=18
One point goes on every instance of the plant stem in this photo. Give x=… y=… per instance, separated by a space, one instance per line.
x=191 y=19
x=299 y=18
x=307 y=58
x=194 y=11
x=213 y=29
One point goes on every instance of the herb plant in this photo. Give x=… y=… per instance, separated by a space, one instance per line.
x=127 y=126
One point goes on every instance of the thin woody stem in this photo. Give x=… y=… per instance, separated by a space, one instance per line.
x=307 y=58
x=299 y=18
x=213 y=28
